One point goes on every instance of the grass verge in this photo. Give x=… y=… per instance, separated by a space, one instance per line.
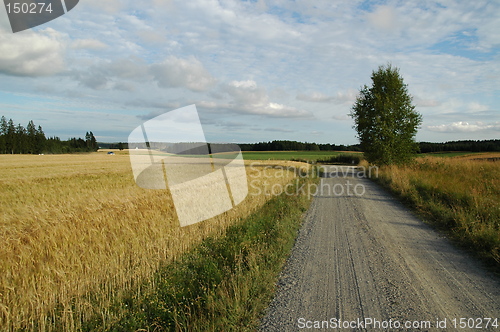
x=223 y=284
x=459 y=196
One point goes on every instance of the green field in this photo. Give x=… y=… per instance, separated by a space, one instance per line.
x=291 y=155
x=313 y=156
x=446 y=154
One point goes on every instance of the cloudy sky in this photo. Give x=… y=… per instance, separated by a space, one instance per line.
x=256 y=70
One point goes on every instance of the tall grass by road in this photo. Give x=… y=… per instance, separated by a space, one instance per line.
x=460 y=195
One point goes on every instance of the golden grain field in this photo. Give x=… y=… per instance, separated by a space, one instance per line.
x=77 y=233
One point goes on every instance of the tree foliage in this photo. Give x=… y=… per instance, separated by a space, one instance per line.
x=491 y=145
x=15 y=139
x=295 y=146
x=385 y=118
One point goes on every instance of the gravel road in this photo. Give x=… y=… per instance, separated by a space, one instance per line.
x=361 y=257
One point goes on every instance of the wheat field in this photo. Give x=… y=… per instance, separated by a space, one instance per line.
x=77 y=233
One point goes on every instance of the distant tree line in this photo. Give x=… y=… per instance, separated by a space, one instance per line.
x=491 y=145
x=119 y=146
x=296 y=146
x=16 y=139
x=425 y=147
x=261 y=146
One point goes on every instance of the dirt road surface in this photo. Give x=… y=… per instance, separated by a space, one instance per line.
x=361 y=257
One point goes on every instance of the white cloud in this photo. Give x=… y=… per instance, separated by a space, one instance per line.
x=349 y=96
x=267 y=109
x=121 y=74
x=151 y=37
x=272 y=110
x=32 y=53
x=384 y=18
x=341 y=97
x=477 y=107
x=227 y=125
x=343 y=117
x=108 y=6
x=280 y=110
x=175 y=72
x=93 y=78
x=246 y=93
x=279 y=130
x=487 y=29
x=124 y=86
x=89 y=43
x=462 y=126
x=250 y=84
x=421 y=102
x=128 y=68
x=248 y=98
x=316 y=97
x=238 y=19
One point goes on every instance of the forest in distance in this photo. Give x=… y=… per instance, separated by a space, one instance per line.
x=16 y=139
x=492 y=145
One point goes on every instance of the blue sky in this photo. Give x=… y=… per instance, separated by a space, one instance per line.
x=256 y=70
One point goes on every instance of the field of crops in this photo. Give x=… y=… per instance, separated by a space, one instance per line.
x=311 y=156
x=77 y=233
x=447 y=154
